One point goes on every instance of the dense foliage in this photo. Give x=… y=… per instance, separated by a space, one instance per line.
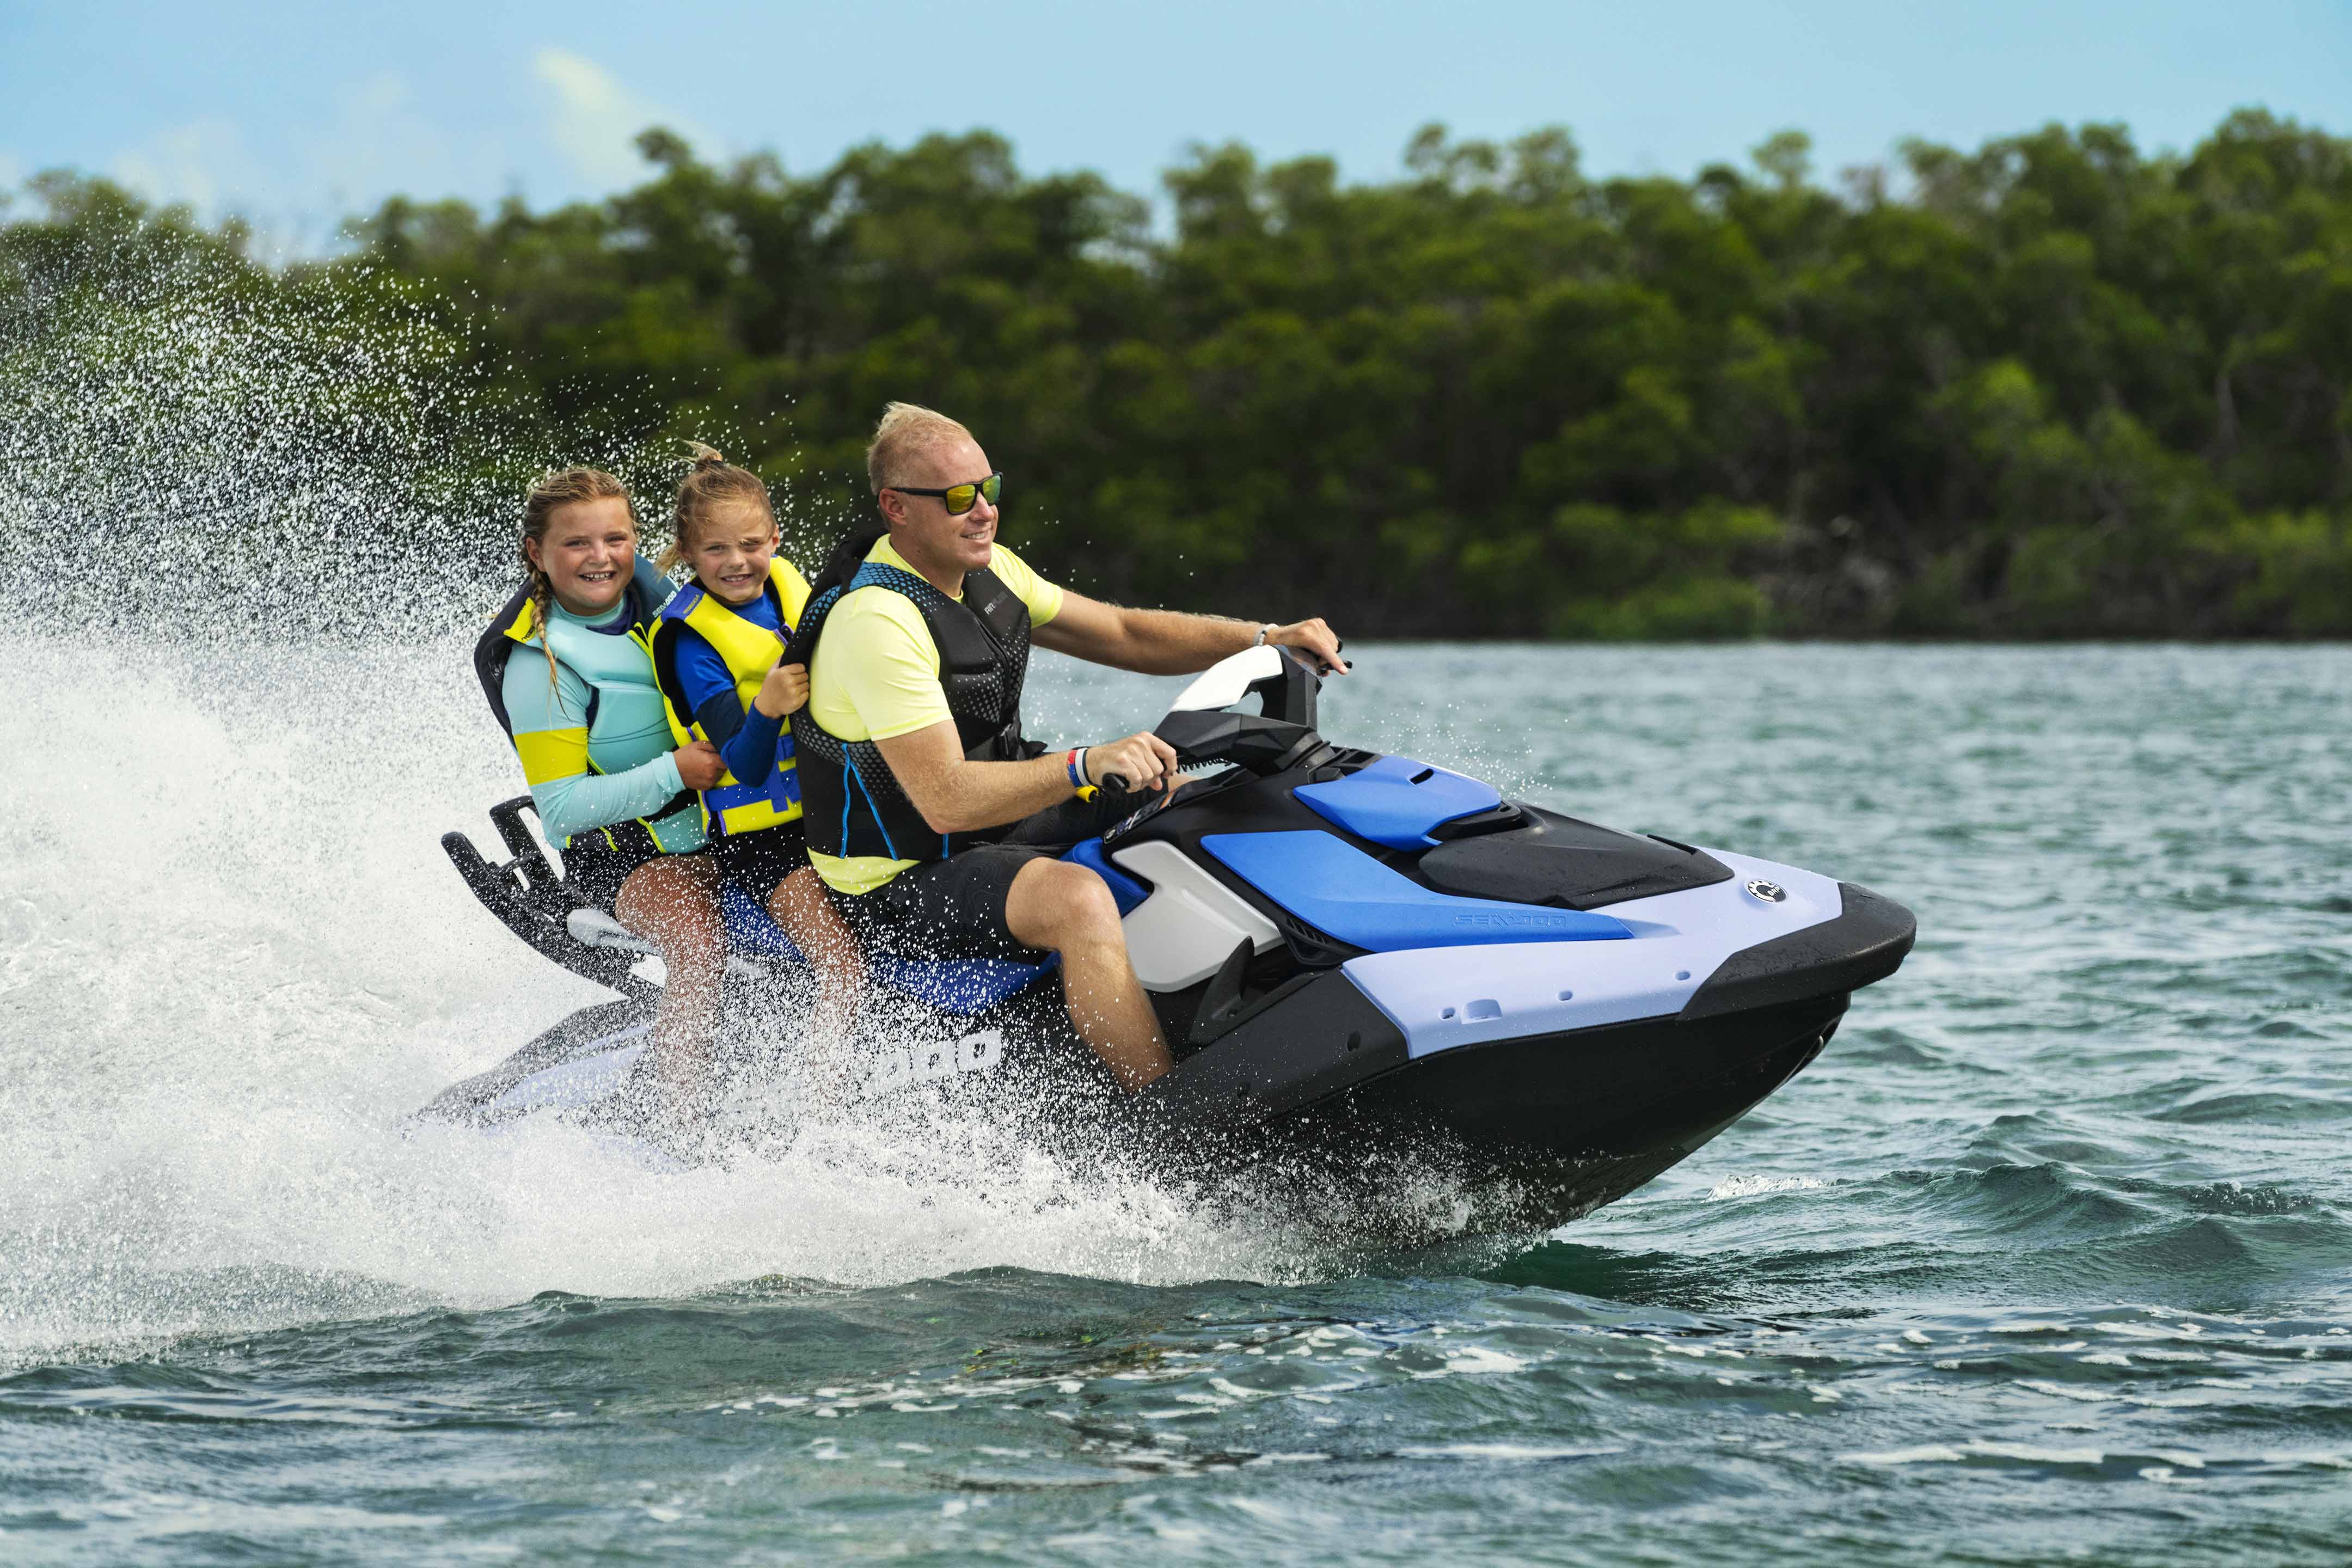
x=2051 y=387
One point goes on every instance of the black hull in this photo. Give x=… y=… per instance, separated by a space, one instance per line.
x=1568 y=1120
x=1540 y=1130
x=1577 y=1121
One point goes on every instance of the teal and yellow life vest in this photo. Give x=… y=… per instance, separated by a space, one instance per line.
x=749 y=651
x=627 y=724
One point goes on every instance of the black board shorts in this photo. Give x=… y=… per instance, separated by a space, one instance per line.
x=955 y=908
x=597 y=862
x=759 y=860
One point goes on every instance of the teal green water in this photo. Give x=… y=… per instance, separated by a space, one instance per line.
x=2047 y=1258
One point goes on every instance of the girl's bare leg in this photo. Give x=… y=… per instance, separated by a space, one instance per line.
x=801 y=907
x=673 y=902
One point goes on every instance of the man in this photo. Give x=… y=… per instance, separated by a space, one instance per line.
x=928 y=816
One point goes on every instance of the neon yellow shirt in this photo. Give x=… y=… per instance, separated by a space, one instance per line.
x=876 y=676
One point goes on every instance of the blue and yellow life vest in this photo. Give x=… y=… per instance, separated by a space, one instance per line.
x=749 y=651
x=622 y=728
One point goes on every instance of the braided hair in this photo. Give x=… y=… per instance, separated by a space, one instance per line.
x=555 y=489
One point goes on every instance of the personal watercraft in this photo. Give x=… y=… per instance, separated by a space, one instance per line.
x=1350 y=952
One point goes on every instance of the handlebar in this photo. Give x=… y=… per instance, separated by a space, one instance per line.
x=1206 y=725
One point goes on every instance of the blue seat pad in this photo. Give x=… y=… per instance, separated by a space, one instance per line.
x=1125 y=890
x=1397 y=802
x=1338 y=889
x=961 y=985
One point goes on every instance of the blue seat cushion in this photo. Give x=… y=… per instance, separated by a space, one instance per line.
x=1125 y=890
x=961 y=985
x=751 y=931
x=1397 y=802
x=1340 y=890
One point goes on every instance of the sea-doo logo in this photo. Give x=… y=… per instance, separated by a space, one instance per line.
x=1545 y=922
x=1770 y=892
x=902 y=1066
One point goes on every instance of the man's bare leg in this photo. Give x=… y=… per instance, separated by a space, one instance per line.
x=673 y=902
x=1065 y=907
x=807 y=916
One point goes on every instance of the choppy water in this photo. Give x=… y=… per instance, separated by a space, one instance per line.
x=2048 y=1256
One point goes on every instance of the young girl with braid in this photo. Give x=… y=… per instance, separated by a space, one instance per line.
x=567 y=666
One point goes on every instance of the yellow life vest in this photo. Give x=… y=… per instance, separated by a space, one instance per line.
x=750 y=651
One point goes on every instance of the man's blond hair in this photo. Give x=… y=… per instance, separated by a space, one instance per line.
x=906 y=431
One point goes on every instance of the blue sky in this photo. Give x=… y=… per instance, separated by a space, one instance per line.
x=297 y=115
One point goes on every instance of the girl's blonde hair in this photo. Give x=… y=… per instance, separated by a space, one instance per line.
x=710 y=483
x=557 y=489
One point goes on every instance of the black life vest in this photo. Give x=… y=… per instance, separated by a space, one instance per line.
x=854 y=805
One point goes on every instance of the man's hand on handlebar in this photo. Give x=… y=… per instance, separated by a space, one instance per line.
x=1314 y=639
x=1139 y=763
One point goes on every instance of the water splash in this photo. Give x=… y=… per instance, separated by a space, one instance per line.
x=191 y=439
x=244 y=529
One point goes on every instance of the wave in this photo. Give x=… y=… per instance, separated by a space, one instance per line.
x=233 y=960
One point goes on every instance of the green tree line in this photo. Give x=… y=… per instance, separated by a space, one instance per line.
x=2051 y=387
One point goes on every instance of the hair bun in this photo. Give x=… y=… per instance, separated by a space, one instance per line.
x=706 y=453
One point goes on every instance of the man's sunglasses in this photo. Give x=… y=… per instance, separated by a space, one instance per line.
x=959 y=498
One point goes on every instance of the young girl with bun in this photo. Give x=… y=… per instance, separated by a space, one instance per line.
x=567 y=666
x=718 y=655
